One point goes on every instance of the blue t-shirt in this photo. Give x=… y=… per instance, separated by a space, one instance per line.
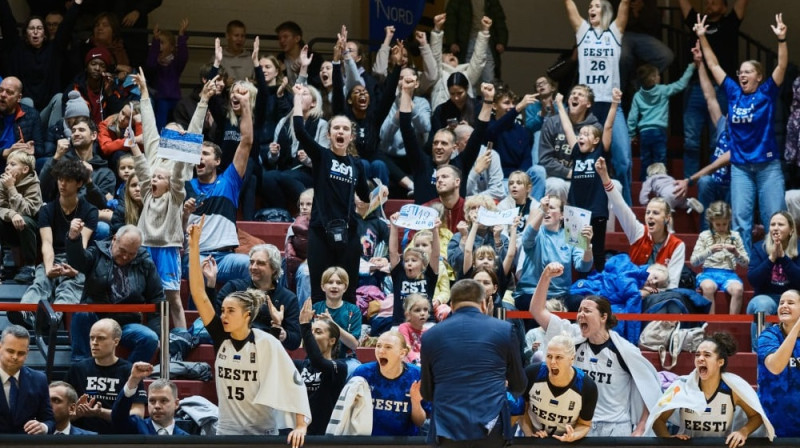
x=779 y=393
x=391 y=402
x=721 y=176
x=750 y=118
x=219 y=202
x=347 y=316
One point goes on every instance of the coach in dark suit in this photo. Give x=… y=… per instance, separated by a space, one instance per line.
x=469 y=398
x=162 y=402
x=25 y=402
x=63 y=400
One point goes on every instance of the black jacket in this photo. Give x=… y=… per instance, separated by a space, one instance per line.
x=96 y=264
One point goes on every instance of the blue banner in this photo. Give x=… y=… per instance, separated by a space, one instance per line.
x=404 y=15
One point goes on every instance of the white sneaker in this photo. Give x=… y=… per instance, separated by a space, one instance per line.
x=694 y=205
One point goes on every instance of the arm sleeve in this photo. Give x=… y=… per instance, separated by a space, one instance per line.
x=381 y=65
x=352 y=76
x=326 y=366
x=533 y=117
x=760 y=268
x=150 y=137
x=701 y=249
x=78 y=257
x=627 y=219
x=679 y=85
x=633 y=117
x=291 y=324
x=478 y=59
x=120 y=414
x=430 y=70
x=644 y=194
x=588 y=399
x=312 y=148
x=152 y=54
x=337 y=93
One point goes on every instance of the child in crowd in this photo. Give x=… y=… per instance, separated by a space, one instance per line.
x=519 y=191
x=168 y=57
x=586 y=189
x=661 y=184
x=297 y=278
x=113 y=135
x=486 y=256
x=20 y=201
x=346 y=315
x=423 y=240
x=719 y=250
x=124 y=170
x=650 y=112
x=162 y=192
x=418 y=310
x=412 y=272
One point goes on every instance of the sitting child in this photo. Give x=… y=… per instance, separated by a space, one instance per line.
x=661 y=184
x=20 y=201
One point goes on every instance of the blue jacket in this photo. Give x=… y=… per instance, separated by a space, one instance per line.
x=760 y=272
x=33 y=402
x=75 y=431
x=466 y=396
x=124 y=423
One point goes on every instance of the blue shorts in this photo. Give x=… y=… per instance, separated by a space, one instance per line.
x=168 y=265
x=722 y=277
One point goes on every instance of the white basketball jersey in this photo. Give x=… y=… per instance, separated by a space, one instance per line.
x=716 y=418
x=613 y=382
x=598 y=59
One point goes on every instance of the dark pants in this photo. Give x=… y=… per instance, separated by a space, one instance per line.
x=282 y=189
x=494 y=439
x=25 y=239
x=321 y=256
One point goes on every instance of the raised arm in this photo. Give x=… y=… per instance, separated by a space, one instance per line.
x=712 y=62
x=246 y=132
x=469 y=245
x=778 y=361
x=196 y=287
x=573 y=15
x=566 y=124
x=709 y=93
x=537 y=307
x=783 y=50
x=740 y=7
x=508 y=261
x=623 y=11
x=394 y=244
x=608 y=127
x=686 y=8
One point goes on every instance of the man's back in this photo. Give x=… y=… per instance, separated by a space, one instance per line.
x=469 y=397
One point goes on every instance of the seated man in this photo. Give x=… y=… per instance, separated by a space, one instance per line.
x=161 y=405
x=25 y=131
x=119 y=271
x=265 y=271
x=24 y=406
x=55 y=279
x=64 y=401
x=98 y=379
x=20 y=201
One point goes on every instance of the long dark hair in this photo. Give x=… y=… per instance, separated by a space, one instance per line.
x=604 y=307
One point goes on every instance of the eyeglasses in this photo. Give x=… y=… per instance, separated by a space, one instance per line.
x=35 y=28
x=542 y=83
x=744 y=72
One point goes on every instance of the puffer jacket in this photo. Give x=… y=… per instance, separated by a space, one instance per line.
x=26 y=201
x=97 y=264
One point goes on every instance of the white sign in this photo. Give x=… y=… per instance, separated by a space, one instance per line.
x=575 y=219
x=180 y=147
x=416 y=217
x=489 y=218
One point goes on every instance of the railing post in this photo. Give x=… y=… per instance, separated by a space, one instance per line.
x=164 y=308
x=760 y=322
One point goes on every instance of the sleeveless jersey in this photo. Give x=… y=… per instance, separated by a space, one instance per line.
x=237 y=382
x=598 y=59
x=604 y=364
x=553 y=408
x=715 y=420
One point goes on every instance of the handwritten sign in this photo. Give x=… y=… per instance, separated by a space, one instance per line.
x=416 y=217
x=490 y=218
x=181 y=148
x=575 y=219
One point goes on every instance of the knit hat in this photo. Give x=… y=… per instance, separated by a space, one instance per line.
x=99 y=53
x=76 y=106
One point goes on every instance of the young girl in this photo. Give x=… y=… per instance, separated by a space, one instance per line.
x=345 y=315
x=519 y=190
x=486 y=256
x=168 y=58
x=586 y=189
x=415 y=274
x=323 y=375
x=297 y=248
x=252 y=364
x=418 y=310
x=423 y=240
x=162 y=193
x=129 y=207
x=124 y=170
x=719 y=250
x=486 y=236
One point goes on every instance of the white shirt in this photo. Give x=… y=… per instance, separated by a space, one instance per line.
x=7 y=384
x=170 y=429
x=65 y=431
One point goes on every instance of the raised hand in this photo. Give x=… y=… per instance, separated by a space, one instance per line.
x=616 y=95
x=183 y=26
x=554 y=269
x=210 y=88
x=210 y=270
x=255 y=55
x=700 y=27
x=306 y=313
x=602 y=170
x=438 y=21
x=779 y=28
x=422 y=38
x=697 y=53
x=217 y=52
x=396 y=54
x=486 y=24
x=305 y=57
x=487 y=90
x=389 y=30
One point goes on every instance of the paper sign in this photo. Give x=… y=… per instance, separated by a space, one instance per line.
x=489 y=218
x=416 y=217
x=575 y=219
x=182 y=148
x=376 y=199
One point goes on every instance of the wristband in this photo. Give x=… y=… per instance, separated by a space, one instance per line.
x=488 y=102
x=691 y=181
x=609 y=186
x=780 y=41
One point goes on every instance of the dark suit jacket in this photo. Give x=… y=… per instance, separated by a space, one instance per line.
x=124 y=423
x=75 y=431
x=466 y=396
x=33 y=402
